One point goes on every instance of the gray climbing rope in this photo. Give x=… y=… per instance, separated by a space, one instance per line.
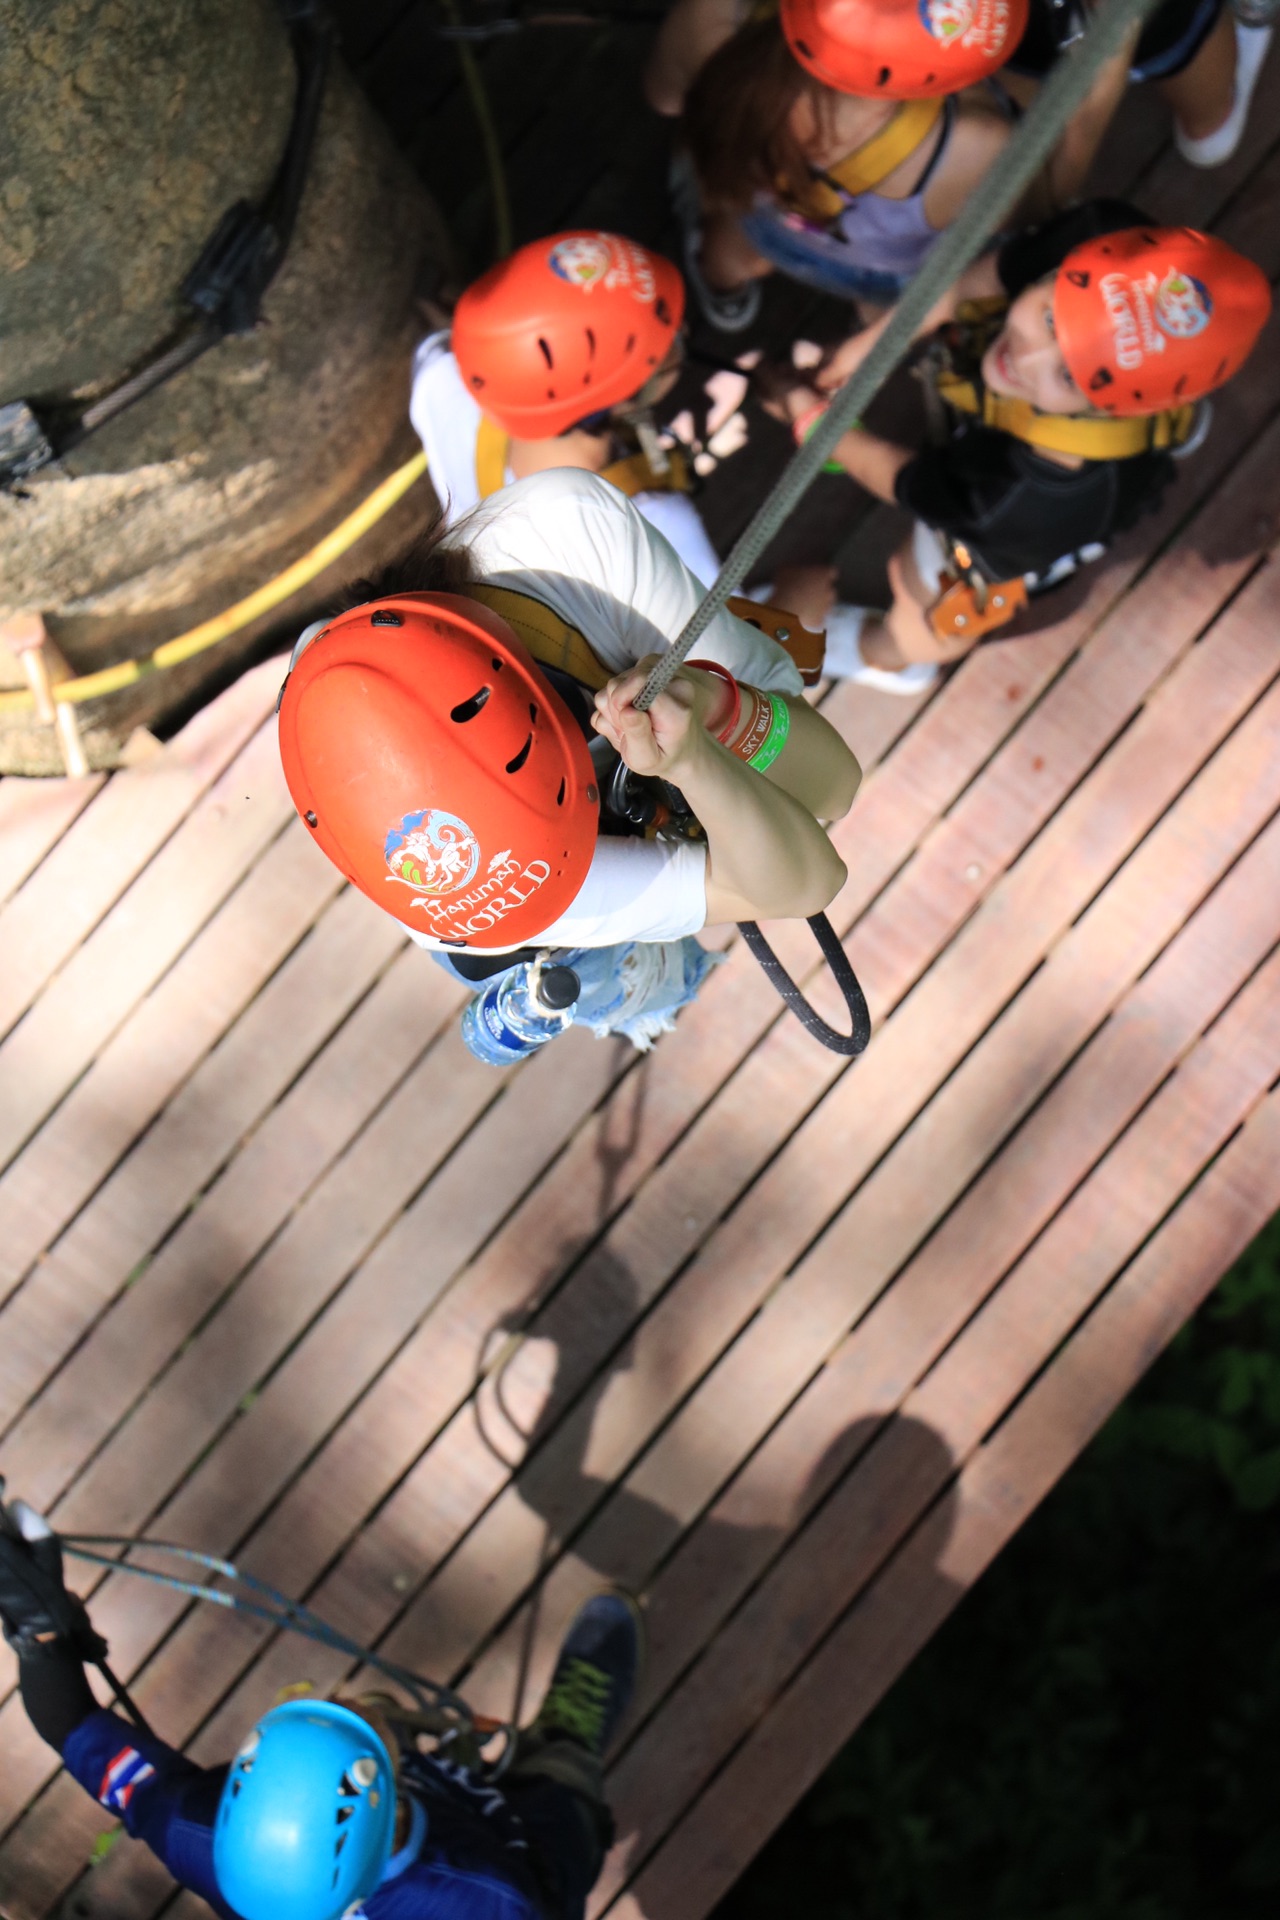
x=1033 y=141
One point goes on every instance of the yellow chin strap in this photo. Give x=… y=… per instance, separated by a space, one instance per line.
x=862 y=170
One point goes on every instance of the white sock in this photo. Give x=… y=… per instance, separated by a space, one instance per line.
x=844 y=630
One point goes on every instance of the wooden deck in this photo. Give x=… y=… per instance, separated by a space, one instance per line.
x=791 y=1348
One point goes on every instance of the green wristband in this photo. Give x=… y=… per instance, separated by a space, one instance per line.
x=776 y=738
x=828 y=466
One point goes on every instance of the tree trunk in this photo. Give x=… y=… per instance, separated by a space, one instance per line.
x=129 y=127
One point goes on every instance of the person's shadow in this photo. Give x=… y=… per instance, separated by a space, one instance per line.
x=876 y=1475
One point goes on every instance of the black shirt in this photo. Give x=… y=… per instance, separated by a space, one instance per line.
x=1017 y=512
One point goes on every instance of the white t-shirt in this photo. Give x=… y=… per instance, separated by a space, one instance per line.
x=578 y=545
x=447 y=421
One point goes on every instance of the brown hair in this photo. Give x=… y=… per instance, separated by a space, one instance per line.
x=428 y=566
x=737 y=119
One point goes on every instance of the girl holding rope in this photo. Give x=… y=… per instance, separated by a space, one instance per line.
x=463 y=743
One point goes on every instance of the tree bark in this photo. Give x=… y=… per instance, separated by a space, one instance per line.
x=129 y=127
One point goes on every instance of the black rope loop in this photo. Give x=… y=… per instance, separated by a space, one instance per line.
x=850 y=1044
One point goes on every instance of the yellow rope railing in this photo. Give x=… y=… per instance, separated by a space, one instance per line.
x=91 y=686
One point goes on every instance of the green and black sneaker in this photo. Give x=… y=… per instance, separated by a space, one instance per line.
x=595 y=1676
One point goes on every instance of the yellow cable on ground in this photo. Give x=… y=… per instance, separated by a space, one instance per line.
x=92 y=686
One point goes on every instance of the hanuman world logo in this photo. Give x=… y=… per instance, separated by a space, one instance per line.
x=437 y=856
x=968 y=23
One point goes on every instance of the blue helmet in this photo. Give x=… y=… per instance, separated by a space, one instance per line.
x=306 y=1819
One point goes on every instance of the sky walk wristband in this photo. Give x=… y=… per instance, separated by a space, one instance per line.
x=779 y=719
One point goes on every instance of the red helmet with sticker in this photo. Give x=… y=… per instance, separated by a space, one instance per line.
x=438 y=770
x=566 y=327
x=902 y=49
x=1151 y=317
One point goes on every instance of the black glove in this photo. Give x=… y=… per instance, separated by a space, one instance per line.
x=34 y=1602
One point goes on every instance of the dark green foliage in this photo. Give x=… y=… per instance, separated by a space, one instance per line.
x=1095 y=1734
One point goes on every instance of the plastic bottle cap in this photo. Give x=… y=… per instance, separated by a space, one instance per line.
x=558 y=988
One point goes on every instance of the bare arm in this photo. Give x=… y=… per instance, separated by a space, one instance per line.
x=868 y=458
x=978 y=282
x=768 y=858
x=687 y=38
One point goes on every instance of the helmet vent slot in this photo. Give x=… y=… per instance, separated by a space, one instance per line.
x=560 y=795
x=468 y=709
x=533 y=713
x=514 y=766
x=591 y=343
x=631 y=339
x=385 y=618
x=884 y=76
x=545 y=351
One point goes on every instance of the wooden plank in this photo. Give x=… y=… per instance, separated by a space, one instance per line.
x=847 y=1133
x=354 y=1091
x=1099 y=1230
x=431 y=1344
x=1178 y=194
x=34 y=815
x=178 y=1159
x=138 y=942
x=113 y=838
x=230 y=1488
x=995 y=1494
x=730 y=1543
x=161 y=1043
x=477 y=1466
x=802 y=1321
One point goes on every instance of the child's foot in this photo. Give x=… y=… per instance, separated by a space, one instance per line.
x=729 y=310
x=845 y=660
x=1212 y=149
x=595 y=1676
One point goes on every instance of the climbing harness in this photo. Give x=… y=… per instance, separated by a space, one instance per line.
x=224 y=289
x=92 y=686
x=1030 y=146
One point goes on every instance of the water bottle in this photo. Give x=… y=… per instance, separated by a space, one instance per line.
x=519 y=1012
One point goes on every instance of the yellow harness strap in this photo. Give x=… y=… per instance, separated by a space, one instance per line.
x=1089 y=436
x=630 y=475
x=864 y=168
x=1092 y=436
x=551 y=640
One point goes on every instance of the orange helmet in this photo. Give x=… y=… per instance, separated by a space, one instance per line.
x=1154 y=316
x=438 y=769
x=566 y=327
x=902 y=49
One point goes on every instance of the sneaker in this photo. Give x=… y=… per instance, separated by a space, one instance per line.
x=731 y=311
x=844 y=659
x=596 y=1674
x=1213 y=149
